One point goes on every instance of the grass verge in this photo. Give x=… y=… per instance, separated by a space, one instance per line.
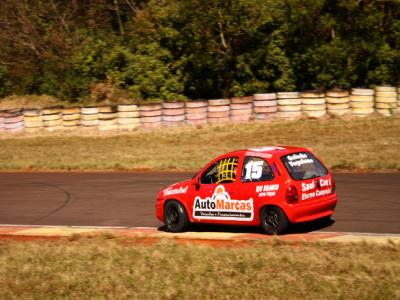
x=343 y=144
x=111 y=268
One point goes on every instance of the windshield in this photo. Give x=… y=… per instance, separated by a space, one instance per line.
x=303 y=165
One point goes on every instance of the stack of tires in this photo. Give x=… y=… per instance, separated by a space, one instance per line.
x=128 y=118
x=33 y=120
x=218 y=111
x=151 y=115
x=1 y=121
x=14 y=121
x=71 y=118
x=338 y=102
x=265 y=106
x=90 y=117
x=313 y=104
x=386 y=100
x=241 y=109
x=398 y=98
x=107 y=118
x=173 y=114
x=289 y=105
x=196 y=112
x=52 y=118
x=362 y=101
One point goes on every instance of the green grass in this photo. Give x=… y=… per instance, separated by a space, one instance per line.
x=343 y=144
x=111 y=268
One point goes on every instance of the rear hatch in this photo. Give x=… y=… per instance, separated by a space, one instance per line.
x=311 y=178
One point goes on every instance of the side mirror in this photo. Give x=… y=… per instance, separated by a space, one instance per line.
x=196 y=183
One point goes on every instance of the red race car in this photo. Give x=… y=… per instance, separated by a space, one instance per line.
x=269 y=187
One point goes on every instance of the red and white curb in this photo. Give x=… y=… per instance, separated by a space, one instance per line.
x=31 y=231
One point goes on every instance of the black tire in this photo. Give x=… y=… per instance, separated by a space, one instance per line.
x=175 y=217
x=273 y=220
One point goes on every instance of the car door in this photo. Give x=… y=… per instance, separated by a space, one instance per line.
x=215 y=200
x=259 y=182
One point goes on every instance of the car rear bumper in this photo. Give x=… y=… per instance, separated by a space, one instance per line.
x=304 y=212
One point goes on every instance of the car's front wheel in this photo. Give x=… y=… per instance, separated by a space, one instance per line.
x=175 y=217
x=273 y=220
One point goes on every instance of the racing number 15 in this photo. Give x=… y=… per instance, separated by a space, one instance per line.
x=253 y=170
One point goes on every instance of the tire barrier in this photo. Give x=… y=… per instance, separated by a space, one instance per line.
x=362 y=101
x=71 y=118
x=398 y=98
x=173 y=114
x=386 y=100
x=196 y=112
x=218 y=111
x=265 y=106
x=89 y=117
x=151 y=115
x=1 y=121
x=33 y=120
x=289 y=105
x=338 y=102
x=13 y=121
x=108 y=118
x=241 y=109
x=127 y=118
x=313 y=104
x=52 y=118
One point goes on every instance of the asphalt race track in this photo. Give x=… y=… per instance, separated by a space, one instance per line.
x=367 y=202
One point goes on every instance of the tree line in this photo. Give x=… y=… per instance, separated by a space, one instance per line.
x=173 y=49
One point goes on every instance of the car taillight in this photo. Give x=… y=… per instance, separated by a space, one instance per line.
x=292 y=196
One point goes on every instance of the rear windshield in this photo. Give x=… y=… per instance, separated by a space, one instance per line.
x=303 y=165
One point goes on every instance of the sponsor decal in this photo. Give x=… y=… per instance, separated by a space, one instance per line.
x=267 y=190
x=220 y=206
x=317 y=193
x=259 y=152
x=307 y=186
x=299 y=159
x=173 y=191
x=325 y=184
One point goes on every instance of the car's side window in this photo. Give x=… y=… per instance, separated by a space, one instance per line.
x=223 y=171
x=256 y=169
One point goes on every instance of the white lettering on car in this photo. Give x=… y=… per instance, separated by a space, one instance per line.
x=320 y=193
x=267 y=190
x=323 y=183
x=299 y=159
x=258 y=154
x=173 y=191
x=253 y=170
x=307 y=186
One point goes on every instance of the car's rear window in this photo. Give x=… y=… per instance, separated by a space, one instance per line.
x=303 y=165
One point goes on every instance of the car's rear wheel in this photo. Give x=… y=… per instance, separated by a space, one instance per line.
x=175 y=217
x=273 y=220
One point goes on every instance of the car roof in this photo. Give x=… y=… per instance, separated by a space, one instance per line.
x=280 y=150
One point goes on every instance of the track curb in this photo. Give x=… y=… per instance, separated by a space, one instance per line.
x=24 y=232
